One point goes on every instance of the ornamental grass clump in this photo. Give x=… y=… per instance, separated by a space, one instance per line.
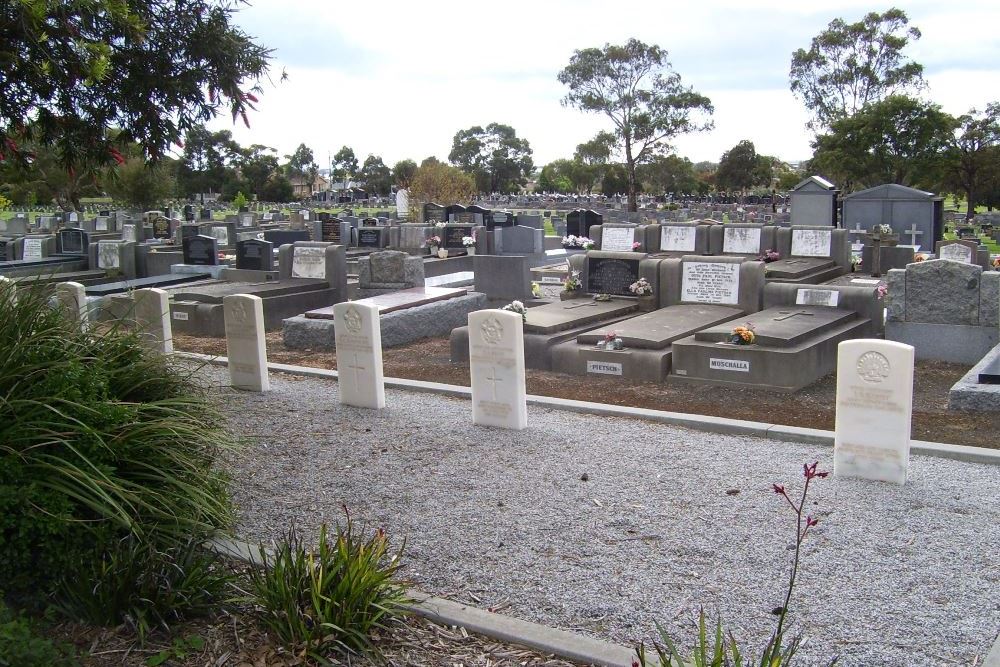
x=100 y=442
x=331 y=599
x=720 y=649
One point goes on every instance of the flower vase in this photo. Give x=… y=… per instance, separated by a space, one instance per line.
x=470 y=250
x=647 y=303
x=433 y=250
x=567 y=295
x=443 y=253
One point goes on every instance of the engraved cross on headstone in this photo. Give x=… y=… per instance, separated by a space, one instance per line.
x=493 y=379
x=795 y=261
x=357 y=368
x=788 y=315
x=913 y=233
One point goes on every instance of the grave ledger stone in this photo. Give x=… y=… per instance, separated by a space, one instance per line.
x=496 y=363
x=245 y=343
x=358 y=334
x=874 y=404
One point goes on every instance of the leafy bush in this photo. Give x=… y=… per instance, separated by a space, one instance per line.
x=20 y=645
x=331 y=599
x=143 y=586
x=100 y=442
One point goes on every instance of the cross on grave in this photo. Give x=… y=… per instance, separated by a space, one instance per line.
x=579 y=305
x=913 y=233
x=857 y=229
x=789 y=315
x=493 y=379
x=357 y=368
x=795 y=261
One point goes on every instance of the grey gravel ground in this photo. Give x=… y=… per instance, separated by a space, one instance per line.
x=667 y=521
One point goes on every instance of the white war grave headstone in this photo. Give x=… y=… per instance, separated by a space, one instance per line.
x=358 y=336
x=245 y=343
x=152 y=319
x=677 y=239
x=874 y=404
x=711 y=282
x=309 y=262
x=617 y=239
x=741 y=240
x=72 y=298
x=496 y=363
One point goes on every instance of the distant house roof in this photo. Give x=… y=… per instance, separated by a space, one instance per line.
x=814 y=183
x=895 y=192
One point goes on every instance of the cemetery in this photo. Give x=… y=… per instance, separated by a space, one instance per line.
x=622 y=407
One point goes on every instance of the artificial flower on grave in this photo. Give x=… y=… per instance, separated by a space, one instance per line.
x=602 y=297
x=996 y=264
x=439 y=224
x=431 y=241
x=856 y=260
x=743 y=335
x=572 y=283
x=882 y=290
x=919 y=257
x=641 y=287
x=569 y=241
x=770 y=255
x=517 y=307
x=536 y=290
x=636 y=246
x=884 y=230
x=468 y=241
x=585 y=243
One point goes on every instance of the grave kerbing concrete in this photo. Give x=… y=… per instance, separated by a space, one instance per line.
x=697 y=422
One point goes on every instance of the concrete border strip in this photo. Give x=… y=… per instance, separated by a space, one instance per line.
x=561 y=643
x=993 y=657
x=698 y=422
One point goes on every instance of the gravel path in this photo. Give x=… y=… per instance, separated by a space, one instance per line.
x=666 y=520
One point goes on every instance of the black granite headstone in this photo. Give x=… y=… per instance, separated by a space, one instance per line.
x=280 y=237
x=201 y=251
x=255 y=255
x=451 y=212
x=453 y=236
x=369 y=222
x=370 y=237
x=579 y=222
x=188 y=213
x=499 y=219
x=161 y=228
x=330 y=229
x=434 y=213
x=188 y=232
x=206 y=214
x=73 y=241
x=609 y=275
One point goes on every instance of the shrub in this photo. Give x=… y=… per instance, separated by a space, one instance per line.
x=20 y=645
x=100 y=441
x=331 y=599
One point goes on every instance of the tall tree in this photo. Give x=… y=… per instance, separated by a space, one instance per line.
x=737 y=167
x=635 y=86
x=376 y=175
x=208 y=160
x=850 y=65
x=496 y=158
x=437 y=182
x=402 y=173
x=300 y=162
x=668 y=173
x=258 y=164
x=973 y=154
x=555 y=176
x=897 y=140
x=72 y=70
x=141 y=185
x=345 y=165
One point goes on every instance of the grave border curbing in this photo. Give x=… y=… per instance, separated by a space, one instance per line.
x=708 y=423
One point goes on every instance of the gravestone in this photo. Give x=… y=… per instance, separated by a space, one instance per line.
x=369 y=222
x=434 y=213
x=72 y=299
x=611 y=275
x=874 y=406
x=579 y=222
x=710 y=282
x=496 y=365
x=358 y=335
x=109 y=255
x=969 y=252
x=330 y=229
x=255 y=255
x=372 y=237
x=280 y=237
x=683 y=238
x=132 y=231
x=453 y=235
x=201 y=251
x=161 y=228
x=73 y=241
x=151 y=310
x=245 y=342
x=309 y=262
x=34 y=248
x=617 y=239
x=451 y=212
x=520 y=240
x=499 y=219
x=533 y=221
x=814 y=202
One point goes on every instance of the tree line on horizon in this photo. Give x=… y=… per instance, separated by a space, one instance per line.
x=79 y=124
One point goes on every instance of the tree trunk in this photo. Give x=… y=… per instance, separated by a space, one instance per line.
x=633 y=203
x=970 y=208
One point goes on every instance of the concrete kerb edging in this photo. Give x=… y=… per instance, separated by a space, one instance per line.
x=993 y=657
x=566 y=645
x=698 y=422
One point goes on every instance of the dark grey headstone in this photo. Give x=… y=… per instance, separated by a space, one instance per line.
x=73 y=242
x=255 y=255
x=371 y=237
x=432 y=211
x=201 y=251
x=607 y=275
x=452 y=237
x=280 y=237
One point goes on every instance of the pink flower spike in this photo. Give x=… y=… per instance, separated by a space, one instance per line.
x=778 y=488
x=810 y=522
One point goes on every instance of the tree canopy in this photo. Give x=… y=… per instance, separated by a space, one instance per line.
x=496 y=158
x=635 y=86
x=376 y=175
x=850 y=65
x=437 y=182
x=153 y=69
x=973 y=166
x=741 y=168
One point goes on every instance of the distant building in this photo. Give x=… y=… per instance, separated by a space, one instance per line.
x=303 y=189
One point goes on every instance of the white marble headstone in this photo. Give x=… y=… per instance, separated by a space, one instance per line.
x=617 y=239
x=309 y=262
x=955 y=252
x=711 y=282
x=128 y=232
x=101 y=225
x=245 y=342
x=108 y=255
x=874 y=404
x=741 y=240
x=358 y=335
x=221 y=234
x=677 y=239
x=152 y=319
x=72 y=298
x=496 y=362
x=811 y=242
x=32 y=249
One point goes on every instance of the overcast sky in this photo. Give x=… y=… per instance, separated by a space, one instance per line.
x=398 y=79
